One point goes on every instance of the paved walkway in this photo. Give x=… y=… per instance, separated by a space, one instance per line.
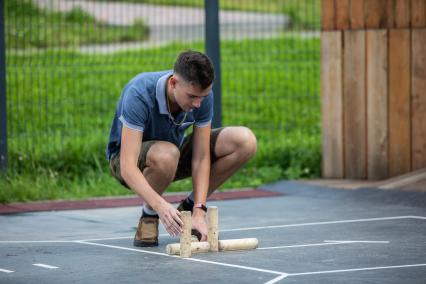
x=168 y=24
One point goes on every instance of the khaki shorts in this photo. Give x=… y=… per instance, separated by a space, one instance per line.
x=184 y=166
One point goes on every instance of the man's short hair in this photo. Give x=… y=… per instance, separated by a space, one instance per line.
x=195 y=68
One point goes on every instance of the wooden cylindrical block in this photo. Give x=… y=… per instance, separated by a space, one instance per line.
x=185 y=238
x=213 y=223
x=238 y=244
x=224 y=245
x=174 y=249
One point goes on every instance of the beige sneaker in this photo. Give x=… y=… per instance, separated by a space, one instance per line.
x=147 y=233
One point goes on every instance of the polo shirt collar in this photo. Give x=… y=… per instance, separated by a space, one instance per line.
x=160 y=93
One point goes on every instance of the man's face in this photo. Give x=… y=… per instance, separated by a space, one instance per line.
x=188 y=96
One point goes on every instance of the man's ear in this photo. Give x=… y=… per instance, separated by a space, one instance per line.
x=173 y=81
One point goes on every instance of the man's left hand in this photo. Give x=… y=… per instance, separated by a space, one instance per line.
x=199 y=223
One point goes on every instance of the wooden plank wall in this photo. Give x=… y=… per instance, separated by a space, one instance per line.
x=377 y=104
x=354 y=103
x=399 y=102
x=373 y=87
x=331 y=71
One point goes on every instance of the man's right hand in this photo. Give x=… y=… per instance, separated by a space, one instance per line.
x=170 y=218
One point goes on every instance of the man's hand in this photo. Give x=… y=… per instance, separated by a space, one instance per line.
x=199 y=223
x=170 y=218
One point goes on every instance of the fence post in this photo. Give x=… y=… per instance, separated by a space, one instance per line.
x=3 y=117
x=212 y=43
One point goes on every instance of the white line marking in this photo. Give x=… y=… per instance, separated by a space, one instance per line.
x=45 y=266
x=297 y=246
x=6 y=271
x=105 y=239
x=294 y=225
x=243 y=229
x=118 y=238
x=367 y=242
x=357 y=269
x=326 y=243
x=323 y=223
x=237 y=266
x=124 y=248
x=189 y=259
x=23 y=242
x=417 y=217
x=275 y=280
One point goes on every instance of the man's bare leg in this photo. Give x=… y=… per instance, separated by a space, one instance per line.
x=160 y=167
x=161 y=164
x=235 y=146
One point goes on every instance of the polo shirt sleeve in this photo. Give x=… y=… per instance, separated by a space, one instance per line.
x=135 y=110
x=205 y=112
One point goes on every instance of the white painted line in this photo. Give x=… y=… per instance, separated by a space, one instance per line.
x=275 y=280
x=297 y=246
x=6 y=271
x=325 y=243
x=237 y=266
x=293 y=225
x=105 y=239
x=418 y=217
x=356 y=269
x=244 y=229
x=367 y=242
x=45 y=266
x=123 y=248
x=30 y=242
x=323 y=223
x=188 y=259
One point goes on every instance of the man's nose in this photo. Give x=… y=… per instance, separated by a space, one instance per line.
x=196 y=103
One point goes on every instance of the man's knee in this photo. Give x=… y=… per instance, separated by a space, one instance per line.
x=163 y=156
x=247 y=141
x=242 y=140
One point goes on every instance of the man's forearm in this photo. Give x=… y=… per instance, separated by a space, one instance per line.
x=200 y=179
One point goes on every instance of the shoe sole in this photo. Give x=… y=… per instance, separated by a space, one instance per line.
x=144 y=244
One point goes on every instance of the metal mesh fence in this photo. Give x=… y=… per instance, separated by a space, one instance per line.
x=67 y=62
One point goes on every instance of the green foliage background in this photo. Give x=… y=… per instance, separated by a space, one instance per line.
x=61 y=104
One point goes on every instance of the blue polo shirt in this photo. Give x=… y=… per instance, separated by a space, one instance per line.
x=143 y=107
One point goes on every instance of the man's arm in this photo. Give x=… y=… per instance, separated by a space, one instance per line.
x=131 y=141
x=201 y=175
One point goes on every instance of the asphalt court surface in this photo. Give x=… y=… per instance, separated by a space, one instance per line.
x=309 y=234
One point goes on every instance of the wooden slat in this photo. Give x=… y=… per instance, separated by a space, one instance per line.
x=342 y=14
x=390 y=14
x=399 y=102
x=354 y=104
x=418 y=11
x=418 y=105
x=357 y=14
x=327 y=15
x=375 y=13
x=331 y=104
x=377 y=104
x=402 y=13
